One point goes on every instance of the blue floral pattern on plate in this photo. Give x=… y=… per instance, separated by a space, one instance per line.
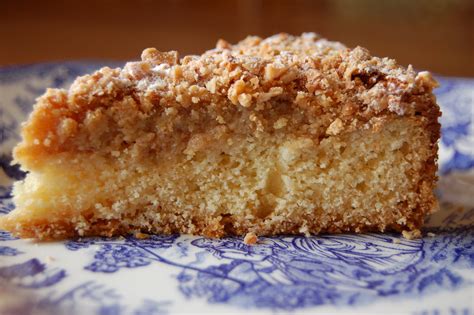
x=329 y=273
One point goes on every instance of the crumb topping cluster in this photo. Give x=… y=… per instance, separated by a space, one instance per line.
x=303 y=84
x=306 y=69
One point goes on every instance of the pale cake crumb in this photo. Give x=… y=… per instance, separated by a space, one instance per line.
x=250 y=239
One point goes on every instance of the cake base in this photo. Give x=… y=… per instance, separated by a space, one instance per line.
x=367 y=180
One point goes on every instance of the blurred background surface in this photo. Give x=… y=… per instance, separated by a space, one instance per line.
x=430 y=34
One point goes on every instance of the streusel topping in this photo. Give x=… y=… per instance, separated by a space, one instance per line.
x=256 y=70
x=303 y=84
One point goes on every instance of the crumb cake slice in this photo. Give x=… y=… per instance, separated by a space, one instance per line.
x=289 y=134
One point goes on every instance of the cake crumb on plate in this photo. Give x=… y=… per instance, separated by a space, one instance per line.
x=411 y=235
x=250 y=238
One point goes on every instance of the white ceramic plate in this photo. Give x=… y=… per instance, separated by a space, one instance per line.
x=371 y=273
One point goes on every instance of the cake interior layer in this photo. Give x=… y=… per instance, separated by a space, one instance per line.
x=365 y=180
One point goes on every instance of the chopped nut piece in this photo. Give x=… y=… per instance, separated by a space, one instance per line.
x=245 y=100
x=235 y=90
x=273 y=71
x=158 y=57
x=222 y=44
x=335 y=127
x=425 y=78
x=274 y=91
x=211 y=85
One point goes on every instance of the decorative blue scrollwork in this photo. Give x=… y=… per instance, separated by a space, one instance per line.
x=294 y=271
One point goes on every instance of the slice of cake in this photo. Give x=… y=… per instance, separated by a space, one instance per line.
x=279 y=135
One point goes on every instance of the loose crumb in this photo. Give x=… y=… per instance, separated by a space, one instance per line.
x=250 y=238
x=430 y=234
x=141 y=236
x=396 y=241
x=411 y=235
